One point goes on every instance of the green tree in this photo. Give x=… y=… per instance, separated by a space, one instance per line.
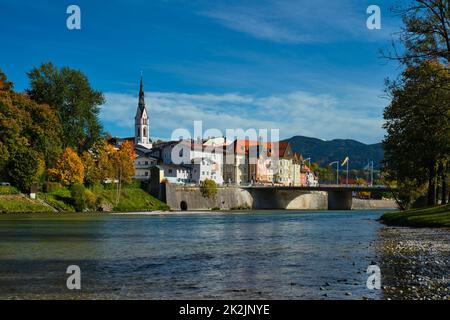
x=426 y=37
x=78 y=194
x=208 y=188
x=418 y=126
x=25 y=168
x=69 y=92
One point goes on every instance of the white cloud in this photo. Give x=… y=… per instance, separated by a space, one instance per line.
x=295 y=113
x=306 y=21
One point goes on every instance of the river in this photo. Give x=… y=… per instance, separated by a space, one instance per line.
x=251 y=255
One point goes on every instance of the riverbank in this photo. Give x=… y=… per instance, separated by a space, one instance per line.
x=436 y=217
x=60 y=201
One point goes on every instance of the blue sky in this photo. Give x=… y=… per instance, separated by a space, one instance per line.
x=306 y=67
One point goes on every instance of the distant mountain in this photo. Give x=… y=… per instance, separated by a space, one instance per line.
x=325 y=152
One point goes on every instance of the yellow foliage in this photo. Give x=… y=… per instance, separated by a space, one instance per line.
x=68 y=168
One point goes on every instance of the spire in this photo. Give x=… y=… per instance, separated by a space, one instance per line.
x=141 y=95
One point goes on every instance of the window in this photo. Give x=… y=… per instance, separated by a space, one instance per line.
x=146 y=162
x=170 y=171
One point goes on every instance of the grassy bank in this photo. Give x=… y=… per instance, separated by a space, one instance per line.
x=20 y=203
x=103 y=199
x=97 y=198
x=436 y=217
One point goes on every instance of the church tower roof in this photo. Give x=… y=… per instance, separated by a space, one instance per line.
x=141 y=96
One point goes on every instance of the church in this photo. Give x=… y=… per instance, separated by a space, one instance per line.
x=142 y=141
x=141 y=123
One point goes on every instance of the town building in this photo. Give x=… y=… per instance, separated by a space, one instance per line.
x=223 y=161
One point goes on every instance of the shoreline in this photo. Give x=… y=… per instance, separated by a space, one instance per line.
x=434 y=217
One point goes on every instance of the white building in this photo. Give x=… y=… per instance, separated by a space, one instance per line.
x=176 y=174
x=205 y=168
x=143 y=163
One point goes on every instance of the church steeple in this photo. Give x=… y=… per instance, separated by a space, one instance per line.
x=141 y=96
x=142 y=127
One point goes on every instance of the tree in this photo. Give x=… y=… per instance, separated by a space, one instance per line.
x=25 y=124
x=98 y=163
x=208 y=188
x=25 y=168
x=418 y=126
x=5 y=85
x=426 y=32
x=123 y=165
x=426 y=37
x=69 y=93
x=68 y=168
x=78 y=194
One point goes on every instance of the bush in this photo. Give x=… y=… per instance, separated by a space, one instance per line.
x=7 y=190
x=78 y=194
x=133 y=184
x=50 y=187
x=208 y=188
x=91 y=199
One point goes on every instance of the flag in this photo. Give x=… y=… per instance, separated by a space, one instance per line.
x=345 y=161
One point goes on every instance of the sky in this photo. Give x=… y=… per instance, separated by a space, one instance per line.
x=309 y=68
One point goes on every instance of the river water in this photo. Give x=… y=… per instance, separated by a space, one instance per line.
x=252 y=255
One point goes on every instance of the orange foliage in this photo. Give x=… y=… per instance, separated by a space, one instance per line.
x=68 y=168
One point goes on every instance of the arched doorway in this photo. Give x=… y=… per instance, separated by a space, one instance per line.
x=183 y=205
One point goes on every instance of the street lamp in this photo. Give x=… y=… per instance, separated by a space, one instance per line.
x=308 y=159
x=337 y=170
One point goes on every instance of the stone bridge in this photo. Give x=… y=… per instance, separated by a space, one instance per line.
x=277 y=197
x=264 y=197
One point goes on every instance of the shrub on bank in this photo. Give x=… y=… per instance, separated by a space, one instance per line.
x=78 y=194
x=8 y=190
x=50 y=186
x=208 y=188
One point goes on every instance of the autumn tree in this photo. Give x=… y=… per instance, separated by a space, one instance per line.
x=123 y=165
x=25 y=124
x=98 y=163
x=426 y=32
x=77 y=105
x=68 y=168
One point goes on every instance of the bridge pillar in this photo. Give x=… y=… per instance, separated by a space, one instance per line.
x=340 y=200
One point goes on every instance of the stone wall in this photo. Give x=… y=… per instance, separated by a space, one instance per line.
x=227 y=198
x=361 y=204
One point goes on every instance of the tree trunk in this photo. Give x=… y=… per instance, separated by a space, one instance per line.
x=439 y=182
x=444 y=183
x=432 y=186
